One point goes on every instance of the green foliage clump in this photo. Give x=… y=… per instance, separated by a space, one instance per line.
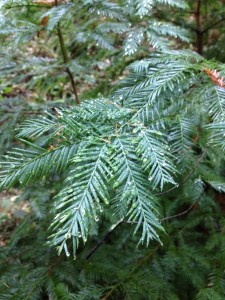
x=120 y=152
x=132 y=184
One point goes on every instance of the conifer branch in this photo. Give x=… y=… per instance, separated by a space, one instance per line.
x=115 y=155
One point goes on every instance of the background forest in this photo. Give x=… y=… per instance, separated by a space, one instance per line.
x=112 y=126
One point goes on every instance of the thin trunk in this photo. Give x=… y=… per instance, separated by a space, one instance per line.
x=199 y=33
x=66 y=60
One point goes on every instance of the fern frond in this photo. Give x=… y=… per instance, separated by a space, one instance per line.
x=103 y=42
x=216 y=130
x=106 y=9
x=113 y=27
x=180 y=138
x=79 y=203
x=218 y=186
x=159 y=78
x=133 y=40
x=37 y=164
x=215 y=102
x=144 y=6
x=56 y=14
x=134 y=191
x=9 y=3
x=157 y=41
x=194 y=189
x=179 y=4
x=171 y=56
x=168 y=29
x=156 y=157
x=37 y=127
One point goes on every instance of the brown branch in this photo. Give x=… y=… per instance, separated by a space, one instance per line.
x=109 y=293
x=172 y=216
x=199 y=34
x=213 y=25
x=112 y=229
x=66 y=60
x=73 y=83
x=180 y=214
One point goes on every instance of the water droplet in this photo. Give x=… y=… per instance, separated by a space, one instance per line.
x=116 y=184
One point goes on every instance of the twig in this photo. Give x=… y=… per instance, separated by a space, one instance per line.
x=115 y=226
x=73 y=83
x=212 y=25
x=199 y=34
x=66 y=60
x=172 y=216
x=180 y=214
x=112 y=229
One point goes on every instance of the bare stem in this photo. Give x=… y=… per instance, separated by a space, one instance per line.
x=199 y=33
x=213 y=25
x=113 y=227
x=66 y=60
